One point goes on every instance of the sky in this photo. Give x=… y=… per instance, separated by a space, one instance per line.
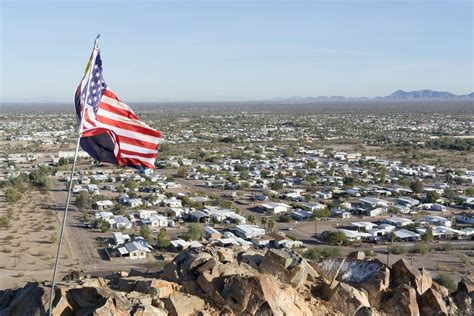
x=236 y=50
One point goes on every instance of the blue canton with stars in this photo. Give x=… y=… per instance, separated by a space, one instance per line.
x=97 y=85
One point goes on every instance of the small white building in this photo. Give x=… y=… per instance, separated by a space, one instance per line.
x=156 y=221
x=119 y=222
x=275 y=208
x=134 y=250
x=398 y=221
x=101 y=205
x=406 y=235
x=137 y=202
x=249 y=231
x=120 y=238
x=173 y=202
x=467 y=218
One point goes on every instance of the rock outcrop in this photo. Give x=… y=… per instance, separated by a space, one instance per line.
x=403 y=274
x=230 y=281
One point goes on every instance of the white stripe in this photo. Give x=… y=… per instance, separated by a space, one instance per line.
x=137 y=149
x=116 y=103
x=120 y=131
x=120 y=118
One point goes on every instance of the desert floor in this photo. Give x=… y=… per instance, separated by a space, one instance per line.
x=28 y=245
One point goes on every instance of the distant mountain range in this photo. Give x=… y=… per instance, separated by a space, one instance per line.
x=426 y=94
x=397 y=95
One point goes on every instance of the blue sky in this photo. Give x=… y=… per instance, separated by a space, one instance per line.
x=236 y=50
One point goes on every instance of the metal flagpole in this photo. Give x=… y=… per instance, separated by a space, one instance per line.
x=53 y=283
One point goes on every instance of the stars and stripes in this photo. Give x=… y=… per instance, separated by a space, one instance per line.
x=111 y=132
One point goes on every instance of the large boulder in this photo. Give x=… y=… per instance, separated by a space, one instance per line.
x=344 y=297
x=156 y=288
x=432 y=303
x=225 y=255
x=403 y=274
x=402 y=302
x=285 y=265
x=32 y=299
x=100 y=301
x=262 y=294
x=376 y=285
x=179 y=304
x=464 y=295
x=356 y=255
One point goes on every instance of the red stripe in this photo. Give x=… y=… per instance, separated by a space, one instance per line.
x=111 y=95
x=137 y=142
x=134 y=162
x=86 y=117
x=105 y=106
x=127 y=126
x=135 y=153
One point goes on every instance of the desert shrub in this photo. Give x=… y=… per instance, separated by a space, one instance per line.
x=446 y=247
x=12 y=195
x=446 y=281
x=4 y=222
x=337 y=238
x=397 y=250
x=322 y=252
x=421 y=248
x=195 y=232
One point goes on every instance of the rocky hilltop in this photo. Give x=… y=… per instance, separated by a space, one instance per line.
x=224 y=281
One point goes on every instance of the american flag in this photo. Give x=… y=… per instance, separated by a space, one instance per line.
x=111 y=132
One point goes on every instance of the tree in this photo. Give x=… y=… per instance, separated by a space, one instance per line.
x=432 y=196
x=392 y=237
x=450 y=194
x=251 y=219
x=337 y=238
x=83 y=201
x=271 y=225
x=182 y=172
x=403 y=182
x=265 y=173
x=162 y=241
x=325 y=212
x=470 y=191
x=417 y=186
x=195 y=232
x=104 y=226
x=119 y=209
x=132 y=185
x=428 y=235
x=12 y=195
x=146 y=233
x=277 y=185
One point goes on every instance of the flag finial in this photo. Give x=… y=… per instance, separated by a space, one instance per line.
x=96 y=42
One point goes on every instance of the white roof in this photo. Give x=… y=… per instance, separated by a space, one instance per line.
x=134 y=246
x=399 y=220
x=210 y=230
x=354 y=234
x=404 y=233
x=179 y=243
x=271 y=205
x=368 y=225
x=249 y=228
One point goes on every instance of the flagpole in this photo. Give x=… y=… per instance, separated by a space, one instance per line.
x=53 y=283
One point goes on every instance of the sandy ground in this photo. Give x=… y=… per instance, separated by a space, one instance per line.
x=27 y=248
